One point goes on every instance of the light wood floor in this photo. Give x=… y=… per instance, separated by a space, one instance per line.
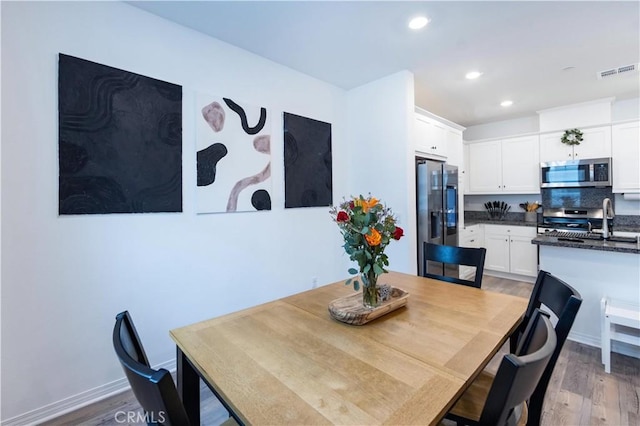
x=580 y=392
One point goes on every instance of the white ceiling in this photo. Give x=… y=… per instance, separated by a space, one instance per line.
x=521 y=47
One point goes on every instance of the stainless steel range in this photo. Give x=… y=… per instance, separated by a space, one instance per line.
x=573 y=222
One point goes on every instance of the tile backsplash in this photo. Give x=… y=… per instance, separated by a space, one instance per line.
x=575 y=197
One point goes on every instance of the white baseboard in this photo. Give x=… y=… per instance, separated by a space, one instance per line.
x=75 y=402
x=618 y=347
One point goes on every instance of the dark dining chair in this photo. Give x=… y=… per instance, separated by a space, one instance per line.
x=502 y=399
x=453 y=255
x=564 y=302
x=154 y=389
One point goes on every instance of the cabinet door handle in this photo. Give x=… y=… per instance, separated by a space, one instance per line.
x=472 y=241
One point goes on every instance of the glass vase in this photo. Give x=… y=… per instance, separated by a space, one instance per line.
x=370 y=291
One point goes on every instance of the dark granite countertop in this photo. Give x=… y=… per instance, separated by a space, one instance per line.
x=622 y=228
x=602 y=245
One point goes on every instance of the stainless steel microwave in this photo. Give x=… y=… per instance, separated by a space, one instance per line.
x=576 y=173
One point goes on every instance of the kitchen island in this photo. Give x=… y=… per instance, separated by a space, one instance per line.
x=595 y=268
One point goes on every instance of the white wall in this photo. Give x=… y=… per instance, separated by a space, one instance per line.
x=380 y=125
x=65 y=278
x=0 y=219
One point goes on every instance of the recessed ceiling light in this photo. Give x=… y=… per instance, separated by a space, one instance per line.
x=418 y=22
x=473 y=75
x=506 y=103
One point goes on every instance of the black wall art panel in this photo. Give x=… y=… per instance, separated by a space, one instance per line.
x=307 y=162
x=120 y=141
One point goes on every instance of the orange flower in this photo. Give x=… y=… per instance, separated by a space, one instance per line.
x=371 y=203
x=366 y=204
x=374 y=238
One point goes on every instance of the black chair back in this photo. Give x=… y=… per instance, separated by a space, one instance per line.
x=518 y=376
x=564 y=301
x=453 y=255
x=154 y=389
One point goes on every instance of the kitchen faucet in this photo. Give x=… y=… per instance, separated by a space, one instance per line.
x=607 y=209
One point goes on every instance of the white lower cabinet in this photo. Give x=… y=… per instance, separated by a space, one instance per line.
x=509 y=249
x=470 y=236
x=497 y=244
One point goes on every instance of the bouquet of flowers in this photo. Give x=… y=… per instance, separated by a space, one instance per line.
x=367 y=227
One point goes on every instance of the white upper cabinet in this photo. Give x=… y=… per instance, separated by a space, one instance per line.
x=521 y=165
x=504 y=166
x=454 y=148
x=485 y=168
x=431 y=137
x=463 y=172
x=596 y=144
x=552 y=149
x=625 y=141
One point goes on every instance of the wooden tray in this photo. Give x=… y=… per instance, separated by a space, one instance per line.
x=350 y=310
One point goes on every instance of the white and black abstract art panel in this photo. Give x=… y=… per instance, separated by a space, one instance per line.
x=233 y=146
x=120 y=141
x=307 y=162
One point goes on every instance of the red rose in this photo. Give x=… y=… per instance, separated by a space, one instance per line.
x=351 y=205
x=342 y=217
x=398 y=233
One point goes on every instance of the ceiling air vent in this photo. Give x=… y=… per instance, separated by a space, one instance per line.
x=626 y=69
x=607 y=73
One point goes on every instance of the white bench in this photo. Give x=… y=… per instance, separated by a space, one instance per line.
x=620 y=322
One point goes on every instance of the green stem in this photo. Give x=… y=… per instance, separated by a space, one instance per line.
x=369 y=289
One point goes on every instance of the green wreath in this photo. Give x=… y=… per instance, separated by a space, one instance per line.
x=572 y=137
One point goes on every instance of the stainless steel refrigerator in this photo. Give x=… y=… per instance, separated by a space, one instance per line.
x=437 y=210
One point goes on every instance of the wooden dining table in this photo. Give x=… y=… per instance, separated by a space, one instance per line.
x=289 y=362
